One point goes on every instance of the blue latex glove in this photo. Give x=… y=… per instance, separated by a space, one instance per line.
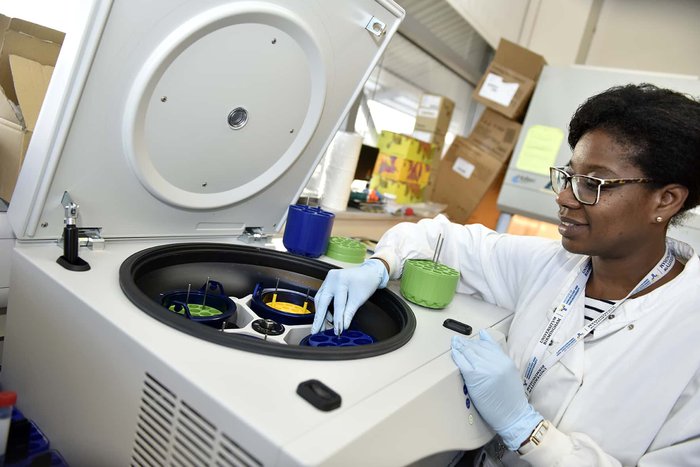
x=496 y=388
x=349 y=289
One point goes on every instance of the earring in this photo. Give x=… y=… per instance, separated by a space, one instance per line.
x=659 y=219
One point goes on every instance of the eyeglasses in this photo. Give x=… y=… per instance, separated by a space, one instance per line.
x=586 y=189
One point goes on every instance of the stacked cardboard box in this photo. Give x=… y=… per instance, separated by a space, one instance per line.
x=28 y=53
x=432 y=122
x=402 y=168
x=510 y=79
x=474 y=167
x=433 y=117
x=472 y=164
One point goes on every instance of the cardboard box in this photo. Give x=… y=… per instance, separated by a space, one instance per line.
x=496 y=134
x=434 y=114
x=406 y=193
x=486 y=212
x=405 y=146
x=436 y=139
x=463 y=177
x=399 y=169
x=509 y=80
x=28 y=53
x=472 y=164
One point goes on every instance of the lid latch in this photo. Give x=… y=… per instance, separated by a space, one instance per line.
x=91 y=237
x=254 y=235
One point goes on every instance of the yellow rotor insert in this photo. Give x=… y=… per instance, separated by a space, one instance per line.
x=289 y=307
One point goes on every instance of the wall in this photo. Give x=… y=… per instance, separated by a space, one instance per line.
x=643 y=35
x=646 y=35
x=557 y=28
x=493 y=19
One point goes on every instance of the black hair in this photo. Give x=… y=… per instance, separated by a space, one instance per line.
x=660 y=126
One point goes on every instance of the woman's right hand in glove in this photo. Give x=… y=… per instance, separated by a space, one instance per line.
x=349 y=289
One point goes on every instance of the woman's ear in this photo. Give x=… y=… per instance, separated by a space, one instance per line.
x=670 y=200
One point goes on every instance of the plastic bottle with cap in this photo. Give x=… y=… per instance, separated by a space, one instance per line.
x=7 y=401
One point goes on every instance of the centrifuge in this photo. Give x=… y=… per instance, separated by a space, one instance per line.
x=154 y=318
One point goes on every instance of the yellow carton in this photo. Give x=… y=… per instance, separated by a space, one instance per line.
x=405 y=146
x=406 y=193
x=399 y=169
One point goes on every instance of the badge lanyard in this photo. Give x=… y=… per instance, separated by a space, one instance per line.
x=538 y=365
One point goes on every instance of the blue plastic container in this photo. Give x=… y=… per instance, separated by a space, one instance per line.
x=54 y=458
x=327 y=338
x=308 y=230
x=38 y=444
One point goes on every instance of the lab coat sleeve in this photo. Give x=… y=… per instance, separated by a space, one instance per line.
x=676 y=443
x=492 y=266
x=574 y=450
x=678 y=440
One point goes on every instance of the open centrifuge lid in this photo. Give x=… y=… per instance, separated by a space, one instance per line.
x=194 y=118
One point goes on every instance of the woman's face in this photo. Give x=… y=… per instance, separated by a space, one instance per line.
x=620 y=223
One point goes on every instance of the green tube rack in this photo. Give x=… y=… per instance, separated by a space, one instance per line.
x=429 y=284
x=346 y=249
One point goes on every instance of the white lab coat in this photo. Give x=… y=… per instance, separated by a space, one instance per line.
x=628 y=396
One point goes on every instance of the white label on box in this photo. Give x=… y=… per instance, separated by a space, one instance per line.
x=428 y=113
x=430 y=101
x=425 y=136
x=496 y=90
x=463 y=167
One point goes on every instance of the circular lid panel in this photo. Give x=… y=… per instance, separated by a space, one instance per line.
x=194 y=119
x=232 y=137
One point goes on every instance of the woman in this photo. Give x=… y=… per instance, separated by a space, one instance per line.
x=602 y=366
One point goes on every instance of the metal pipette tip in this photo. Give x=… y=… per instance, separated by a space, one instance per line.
x=438 y=248
x=206 y=289
x=187 y=297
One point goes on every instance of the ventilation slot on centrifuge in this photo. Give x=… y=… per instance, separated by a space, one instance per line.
x=170 y=431
x=232 y=455
x=154 y=425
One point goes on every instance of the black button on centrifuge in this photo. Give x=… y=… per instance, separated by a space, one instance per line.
x=319 y=395
x=458 y=326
